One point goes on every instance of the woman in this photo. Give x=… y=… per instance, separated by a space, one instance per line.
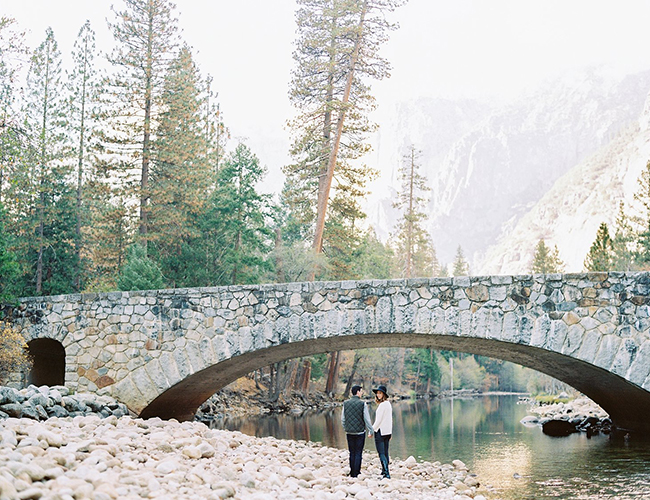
x=383 y=427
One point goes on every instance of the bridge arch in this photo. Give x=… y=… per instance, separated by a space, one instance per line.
x=615 y=394
x=163 y=352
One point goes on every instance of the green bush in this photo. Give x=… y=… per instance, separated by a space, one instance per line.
x=140 y=272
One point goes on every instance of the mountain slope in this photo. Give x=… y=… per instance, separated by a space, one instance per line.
x=496 y=173
x=568 y=215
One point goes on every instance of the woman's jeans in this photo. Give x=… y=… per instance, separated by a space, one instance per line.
x=381 y=442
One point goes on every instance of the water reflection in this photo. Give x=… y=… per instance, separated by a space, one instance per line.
x=518 y=462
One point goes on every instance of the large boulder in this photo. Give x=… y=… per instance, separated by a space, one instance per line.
x=9 y=396
x=12 y=409
x=558 y=428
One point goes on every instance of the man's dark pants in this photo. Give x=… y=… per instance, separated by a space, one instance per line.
x=355 y=445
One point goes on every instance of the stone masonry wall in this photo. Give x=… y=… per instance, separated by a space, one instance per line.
x=135 y=345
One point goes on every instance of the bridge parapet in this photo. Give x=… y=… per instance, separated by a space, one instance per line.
x=155 y=348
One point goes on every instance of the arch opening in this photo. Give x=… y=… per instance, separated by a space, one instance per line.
x=627 y=404
x=48 y=358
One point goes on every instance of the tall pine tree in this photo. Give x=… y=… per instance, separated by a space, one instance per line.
x=43 y=206
x=337 y=52
x=83 y=102
x=237 y=222
x=181 y=175
x=146 y=36
x=415 y=251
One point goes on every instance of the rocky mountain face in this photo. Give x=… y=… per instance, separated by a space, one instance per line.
x=489 y=168
x=568 y=214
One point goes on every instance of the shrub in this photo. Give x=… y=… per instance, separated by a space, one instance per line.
x=140 y=272
x=13 y=352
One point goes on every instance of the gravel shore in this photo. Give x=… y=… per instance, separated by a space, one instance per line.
x=104 y=459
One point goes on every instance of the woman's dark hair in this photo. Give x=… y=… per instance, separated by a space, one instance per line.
x=383 y=397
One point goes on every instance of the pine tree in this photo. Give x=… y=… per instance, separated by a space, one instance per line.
x=623 y=244
x=414 y=249
x=237 y=222
x=643 y=197
x=83 y=87
x=600 y=256
x=461 y=266
x=545 y=260
x=181 y=175
x=147 y=39
x=216 y=132
x=8 y=264
x=42 y=197
x=373 y=259
x=140 y=272
x=337 y=49
x=12 y=133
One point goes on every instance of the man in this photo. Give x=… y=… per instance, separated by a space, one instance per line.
x=355 y=418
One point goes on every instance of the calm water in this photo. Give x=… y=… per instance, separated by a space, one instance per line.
x=517 y=462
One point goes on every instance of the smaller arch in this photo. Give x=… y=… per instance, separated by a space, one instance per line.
x=48 y=357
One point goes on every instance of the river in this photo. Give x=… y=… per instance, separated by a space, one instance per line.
x=514 y=461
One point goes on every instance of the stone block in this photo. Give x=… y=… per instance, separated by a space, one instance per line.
x=590 y=346
x=541 y=331
x=609 y=345
x=639 y=370
x=478 y=293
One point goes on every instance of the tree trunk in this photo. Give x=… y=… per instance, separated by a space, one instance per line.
x=332 y=372
x=279 y=264
x=77 y=278
x=305 y=376
x=325 y=181
x=146 y=139
x=348 y=386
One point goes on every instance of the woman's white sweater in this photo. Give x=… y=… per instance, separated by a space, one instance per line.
x=384 y=418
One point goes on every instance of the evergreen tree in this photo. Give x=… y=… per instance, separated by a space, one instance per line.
x=8 y=265
x=545 y=260
x=337 y=49
x=423 y=363
x=12 y=133
x=140 y=272
x=373 y=259
x=643 y=197
x=415 y=252
x=42 y=206
x=109 y=237
x=601 y=253
x=461 y=266
x=147 y=39
x=180 y=173
x=237 y=222
x=82 y=110
x=623 y=258
x=216 y=132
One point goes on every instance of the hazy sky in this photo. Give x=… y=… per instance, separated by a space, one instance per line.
x=444 y=48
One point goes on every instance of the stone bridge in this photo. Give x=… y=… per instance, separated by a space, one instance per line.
x=164 y=352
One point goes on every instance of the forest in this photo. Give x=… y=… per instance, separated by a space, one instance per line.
x=120 y=174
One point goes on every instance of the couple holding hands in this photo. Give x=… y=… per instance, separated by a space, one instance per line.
x=355 y=418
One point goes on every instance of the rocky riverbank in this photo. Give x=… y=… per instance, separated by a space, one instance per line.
x=577 y=415
x=41 y=403
x=104 y=459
